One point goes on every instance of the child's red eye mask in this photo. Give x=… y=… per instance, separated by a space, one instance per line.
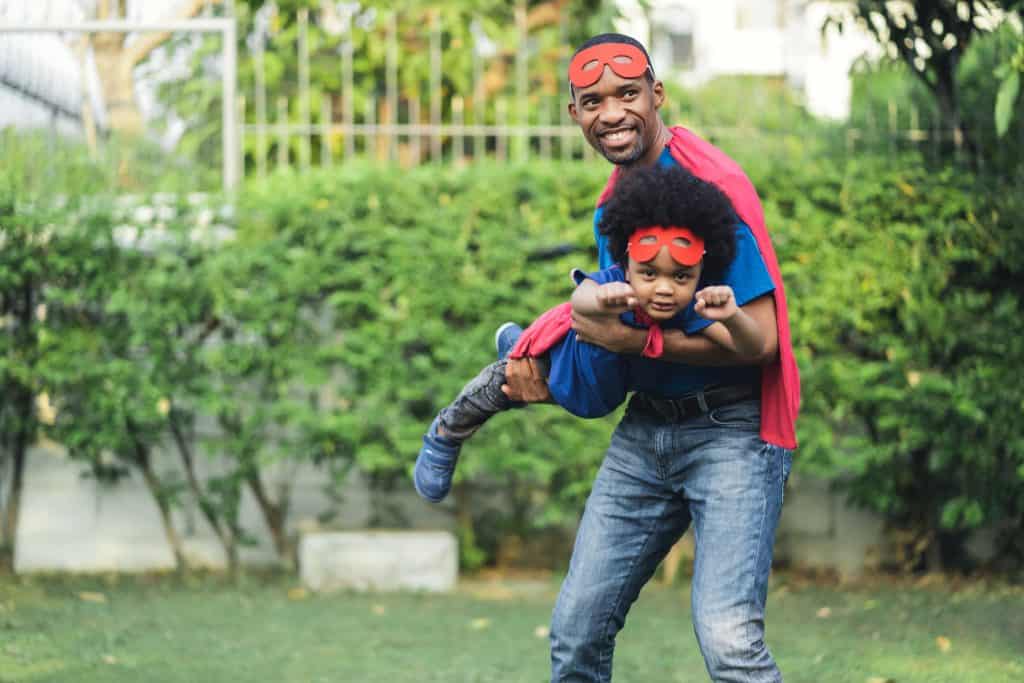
x=684 y=247
x=626 y=60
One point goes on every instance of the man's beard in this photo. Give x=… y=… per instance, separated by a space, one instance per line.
x=626 y=158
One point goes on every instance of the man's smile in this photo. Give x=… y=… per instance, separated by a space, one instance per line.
x=618 y=137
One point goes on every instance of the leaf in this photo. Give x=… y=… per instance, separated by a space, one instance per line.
x=1005 y=100
x=943 y=643
x=88 y=596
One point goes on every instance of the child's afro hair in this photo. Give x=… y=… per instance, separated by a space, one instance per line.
x=671 y=196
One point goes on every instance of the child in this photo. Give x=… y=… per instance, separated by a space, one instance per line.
x=668 y=231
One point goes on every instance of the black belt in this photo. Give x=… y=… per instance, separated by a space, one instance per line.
x=692 y=405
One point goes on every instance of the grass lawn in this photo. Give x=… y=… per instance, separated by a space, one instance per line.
x=204 y=629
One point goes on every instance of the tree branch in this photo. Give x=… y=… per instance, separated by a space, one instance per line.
x=150 y=41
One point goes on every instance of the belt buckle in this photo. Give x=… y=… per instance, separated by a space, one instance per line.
x=667 y=409
x=690 y=406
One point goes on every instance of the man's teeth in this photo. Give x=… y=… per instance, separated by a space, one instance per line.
x=617 y=135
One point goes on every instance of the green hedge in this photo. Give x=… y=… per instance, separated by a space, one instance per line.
x=906 y=293
x=351 y=304
x=904 y=285
x=421 y=267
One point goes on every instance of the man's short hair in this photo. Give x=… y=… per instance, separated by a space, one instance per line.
x=614 y=38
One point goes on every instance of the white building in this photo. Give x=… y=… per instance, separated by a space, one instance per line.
x=45 y=81
x=696 y=40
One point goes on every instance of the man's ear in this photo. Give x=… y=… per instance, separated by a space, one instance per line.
x=658 y=88
x=572 y=110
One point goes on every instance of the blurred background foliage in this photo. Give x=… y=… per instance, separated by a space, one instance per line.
x=324 y=317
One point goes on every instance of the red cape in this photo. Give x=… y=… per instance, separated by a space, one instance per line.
x=780 y=380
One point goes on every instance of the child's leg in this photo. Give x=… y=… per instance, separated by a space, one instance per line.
x=481 y=398
x=475 y=404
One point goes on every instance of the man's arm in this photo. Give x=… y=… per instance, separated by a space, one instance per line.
x=713 y=348
x=524 y=380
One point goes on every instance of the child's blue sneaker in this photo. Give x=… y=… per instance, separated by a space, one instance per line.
x=435 y=465
x=505 y=338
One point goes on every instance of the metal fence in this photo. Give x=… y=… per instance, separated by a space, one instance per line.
x=393 y=128
x=264 y=130
x=399 y=129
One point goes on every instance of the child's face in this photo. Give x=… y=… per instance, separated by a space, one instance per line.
x=663 y=286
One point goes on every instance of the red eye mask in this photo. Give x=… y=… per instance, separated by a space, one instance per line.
x=684 y=247
x=626 y=60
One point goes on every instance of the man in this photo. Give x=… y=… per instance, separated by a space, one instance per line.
x=709 y=439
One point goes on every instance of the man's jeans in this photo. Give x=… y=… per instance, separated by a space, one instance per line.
x=657 y=477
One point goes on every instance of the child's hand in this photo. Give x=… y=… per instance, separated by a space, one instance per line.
x=616 y=297
x=715 y=303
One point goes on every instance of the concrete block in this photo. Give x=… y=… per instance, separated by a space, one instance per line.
x=808 y=507
x=379 y=560
x=859 y=535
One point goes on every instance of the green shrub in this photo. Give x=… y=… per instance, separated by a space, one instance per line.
x=903 y=289
x=420 y=267
x=906 y=290
x=351 y=304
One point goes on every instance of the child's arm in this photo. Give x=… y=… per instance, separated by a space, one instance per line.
x=612 y=298
x=719 y=303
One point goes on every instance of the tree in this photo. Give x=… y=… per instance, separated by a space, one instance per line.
x=22 y=270
x=931 y=36
x=116 y=61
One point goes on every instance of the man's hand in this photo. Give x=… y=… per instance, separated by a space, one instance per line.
x=524 y=381
x=610 y=333
x=616 y=297
x=715 y=303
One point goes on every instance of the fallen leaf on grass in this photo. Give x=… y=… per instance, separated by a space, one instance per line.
x=879 y=679
x=378 y=610
x=541 y=632
x=479 y=624
x=109 y=659
x=943 y=643
x=297 y=593
x=88 y=596
x=824 y=612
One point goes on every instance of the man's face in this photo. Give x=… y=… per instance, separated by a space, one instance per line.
x=619 y=117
